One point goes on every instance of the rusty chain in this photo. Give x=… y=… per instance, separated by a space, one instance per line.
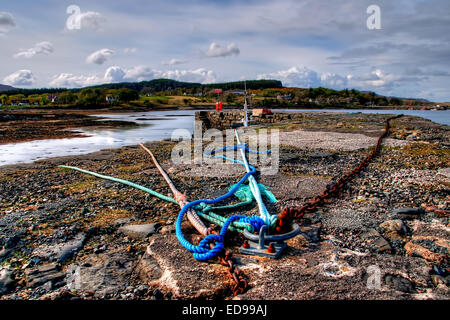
x=287 y=215
x=225 y=259
x=241 y=283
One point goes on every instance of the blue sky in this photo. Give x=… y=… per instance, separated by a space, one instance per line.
x=305 y=43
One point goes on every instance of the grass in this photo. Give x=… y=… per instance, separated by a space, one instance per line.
x=81 y=186
x=107 y=216
x=427 y=155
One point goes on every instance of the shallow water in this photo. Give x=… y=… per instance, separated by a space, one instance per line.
x=154 y=126
x=157 y=126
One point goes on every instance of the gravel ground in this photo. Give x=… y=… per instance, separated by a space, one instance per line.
x=53 y=220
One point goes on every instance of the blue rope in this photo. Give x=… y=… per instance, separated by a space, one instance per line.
x=203 y=252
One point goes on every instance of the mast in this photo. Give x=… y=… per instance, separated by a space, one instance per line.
x=245 y=105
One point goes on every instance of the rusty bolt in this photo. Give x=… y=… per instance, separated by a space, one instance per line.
x=271 y=248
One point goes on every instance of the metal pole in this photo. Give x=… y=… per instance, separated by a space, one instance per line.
x=245 y=105
x=254 y=186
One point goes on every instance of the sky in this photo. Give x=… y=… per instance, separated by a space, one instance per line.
x=403 y=51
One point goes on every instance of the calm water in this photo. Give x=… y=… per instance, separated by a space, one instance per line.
x=155 y=126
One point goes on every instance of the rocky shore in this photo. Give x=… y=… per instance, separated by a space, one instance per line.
x=67 y=235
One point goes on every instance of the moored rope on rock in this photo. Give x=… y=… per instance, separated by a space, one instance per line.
x=179 y=197
x=126 y=182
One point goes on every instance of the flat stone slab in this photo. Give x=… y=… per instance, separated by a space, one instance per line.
x=42 y=274
x=139 y=231
x=61 y=251
x=105 y=274
x=181 y=274
x=326 y=140
x=6 y=281
x=306 y=270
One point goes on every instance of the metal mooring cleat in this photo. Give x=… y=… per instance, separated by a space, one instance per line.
x=266 y=245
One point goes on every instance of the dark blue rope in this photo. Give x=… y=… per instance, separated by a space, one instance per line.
x=203 y=252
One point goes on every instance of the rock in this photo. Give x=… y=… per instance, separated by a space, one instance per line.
x=399 y=283
x=148 y=269
x=100 y=248
x=106 y=274
x=376 y=242
x=121 y=221
x=414 y=250
x=157 y=294
x=4 y=252
x=84 y=211
x=371 y=233
x=438 y=280
x=312 y=233
x=72 y=248
x=406 y=213
x=12 y=241
x=394 y=226
x=6 y=281
x=168 y=229
x=382 y=245
x=181 y=274
x=394 y=229
x=61 y=252
x=140 y=231
x=43 y=274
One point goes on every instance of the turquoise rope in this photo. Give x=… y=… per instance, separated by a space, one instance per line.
x=129 y=183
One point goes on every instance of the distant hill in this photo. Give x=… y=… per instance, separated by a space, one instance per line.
x=160 y=85
x=156 y=85
x=271 y=90
x=168 y=84
x=4 y=87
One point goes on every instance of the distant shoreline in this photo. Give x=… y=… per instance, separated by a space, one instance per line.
x=129 y=108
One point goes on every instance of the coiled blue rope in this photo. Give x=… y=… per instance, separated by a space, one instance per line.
x=203 y=252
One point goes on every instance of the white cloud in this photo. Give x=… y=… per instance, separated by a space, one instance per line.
x=43 y=47
x=304 y=77
x=6 y=22
x=333 y=80
x=68 y=80
x=114 y=74
x=375 y=79
x=20 y=78
x=142 y=73
x=173 y=62
x=100 y=56
x=138 y=73
x=200 y=75
x=217 y=50
x=295 y=77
